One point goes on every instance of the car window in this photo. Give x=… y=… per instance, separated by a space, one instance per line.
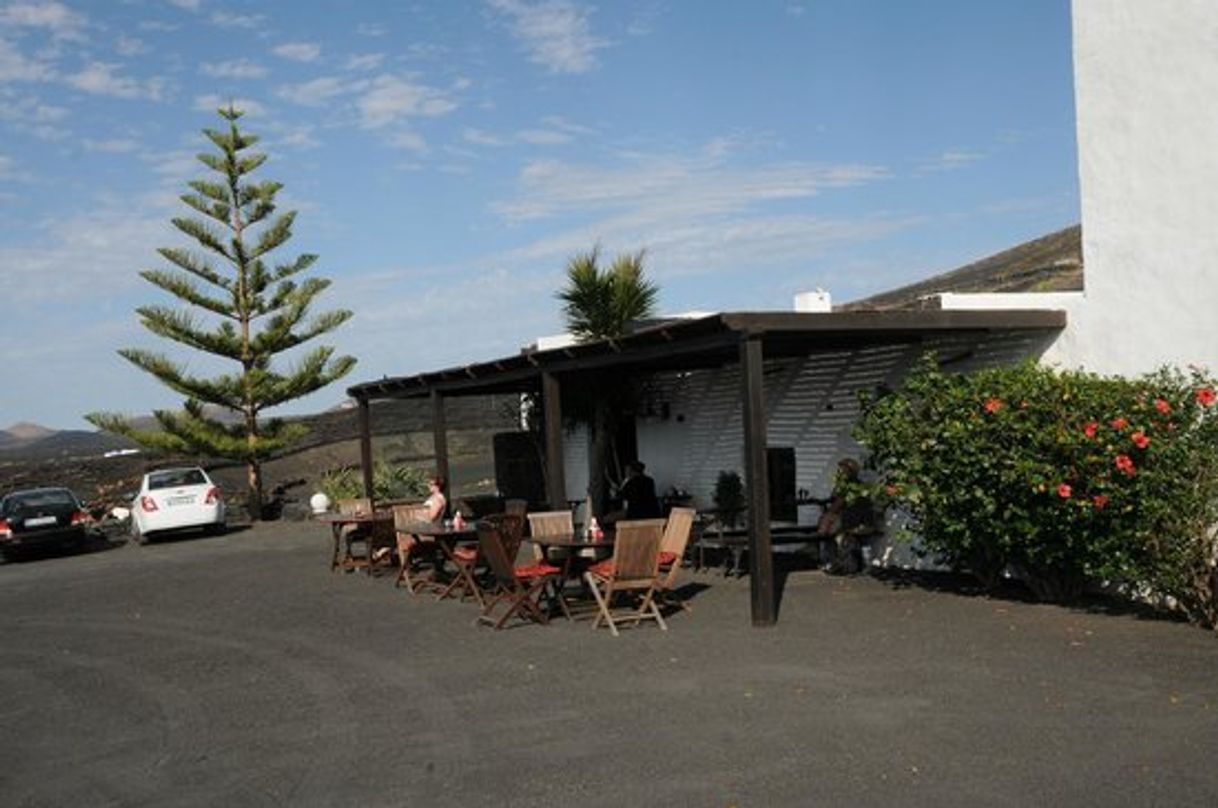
x=175 y=478
x=39 y=499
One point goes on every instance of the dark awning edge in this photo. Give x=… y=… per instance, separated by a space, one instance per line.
x=712 y=337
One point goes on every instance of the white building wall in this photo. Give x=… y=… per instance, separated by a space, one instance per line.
x=811 y=403
x=1146 y=91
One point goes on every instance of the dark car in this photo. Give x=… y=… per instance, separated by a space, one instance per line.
x=41 y=517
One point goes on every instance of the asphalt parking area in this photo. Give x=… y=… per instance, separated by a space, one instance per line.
x=238 y=670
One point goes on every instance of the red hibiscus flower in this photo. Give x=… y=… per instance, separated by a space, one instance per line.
x=1162 y=406
x=1118 y=423
x=1125 y=465
x=1140 y=440
x=993 y=405
x=1064 y=491
x=1090 y=428
x=1099 y=501
x=1206 y=396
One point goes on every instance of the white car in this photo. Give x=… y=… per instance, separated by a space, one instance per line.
x=177 y=499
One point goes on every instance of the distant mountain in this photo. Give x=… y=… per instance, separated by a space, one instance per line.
x=38 y=441
x=27 y=431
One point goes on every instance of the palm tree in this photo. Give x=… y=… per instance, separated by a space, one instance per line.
x=601 y=304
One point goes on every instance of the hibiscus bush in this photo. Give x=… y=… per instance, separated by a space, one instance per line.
x=1064 y=478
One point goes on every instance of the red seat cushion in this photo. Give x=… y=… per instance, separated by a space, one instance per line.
x=467 y=554
x=604 y=569
x=536 y=571
x=667 y=559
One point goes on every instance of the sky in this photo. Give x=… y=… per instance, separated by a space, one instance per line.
x=448 y=157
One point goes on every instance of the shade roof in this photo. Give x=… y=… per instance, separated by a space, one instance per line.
x=709 y=341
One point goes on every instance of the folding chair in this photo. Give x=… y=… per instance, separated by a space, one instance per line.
x=521 y=587
x=672 y=550
x=549 y=523
x=353 y=532
x=468 y=559
x=410 y=547
x=633 y=570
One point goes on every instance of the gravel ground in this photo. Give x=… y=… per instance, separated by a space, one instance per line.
x=239 y=670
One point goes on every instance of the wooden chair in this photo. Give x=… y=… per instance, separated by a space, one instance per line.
x=634 y=569
x=352 y=533
x=549 y=523
x=468 y=559
x=521 y=587
x=672 y=551
x=410 y=548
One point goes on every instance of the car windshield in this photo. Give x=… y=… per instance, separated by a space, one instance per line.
x=175 y=478
x=28 y=500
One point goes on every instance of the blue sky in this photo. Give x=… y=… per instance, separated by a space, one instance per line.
x=446 y=158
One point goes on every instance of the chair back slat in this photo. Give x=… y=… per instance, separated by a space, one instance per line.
x=511 y=531
x=551 y=523
x=636 y=549
x=405 y=515
x=490 y=544
x=355 y=507
x=677 y=530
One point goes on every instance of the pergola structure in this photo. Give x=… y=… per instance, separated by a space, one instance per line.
x=718 y=340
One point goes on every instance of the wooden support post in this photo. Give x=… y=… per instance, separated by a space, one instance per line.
x=761 y=558
x=439 y=436
x=365 y=445
x=551 y=404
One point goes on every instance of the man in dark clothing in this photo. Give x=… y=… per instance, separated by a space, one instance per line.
x=638 y=493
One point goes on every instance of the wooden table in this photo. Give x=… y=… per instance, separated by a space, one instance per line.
x=444 y=536
x=337 y=521
x=573 y=544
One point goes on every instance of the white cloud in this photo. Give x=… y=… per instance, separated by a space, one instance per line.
x=188 y=5
x=212 y=102
x=408 y=140
x=6 y=166
x=58 y=19
x=364 y=61
x=556 y=33
x=543 y=137
x=112 y=146
x=158 y=25
x=392 y=98
x=16 y=66
x=950 y=160
x=481 y=138
x=234 y=69
x=298 y=51
x=315 y=93
x=299 y=138
x=99 y=78
x=698 y=183
x=371 y=29
x=224 y=19
x=130 y=46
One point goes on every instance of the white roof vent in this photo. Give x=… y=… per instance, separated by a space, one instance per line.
x=813 y=302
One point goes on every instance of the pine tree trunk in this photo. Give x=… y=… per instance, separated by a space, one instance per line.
x=254 y=501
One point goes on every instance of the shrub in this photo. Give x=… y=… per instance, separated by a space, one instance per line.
x=388 y=482
x=729 y=497
x=1066 y=477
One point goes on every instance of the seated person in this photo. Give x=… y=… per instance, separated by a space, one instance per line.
x=437 y=506
x=638 y=493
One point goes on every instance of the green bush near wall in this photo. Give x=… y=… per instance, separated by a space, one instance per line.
x=1065 y=477
x=389 y=482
